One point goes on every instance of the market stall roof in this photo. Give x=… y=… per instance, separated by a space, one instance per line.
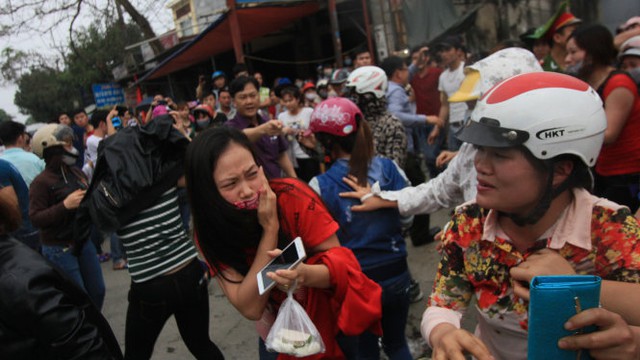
x=216 y=38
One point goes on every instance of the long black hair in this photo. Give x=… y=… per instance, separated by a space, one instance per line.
x=597 y=42
x=223 y=232
x=358 y=144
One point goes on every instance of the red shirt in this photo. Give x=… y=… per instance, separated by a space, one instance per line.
x=623 y=156
x=425 y=87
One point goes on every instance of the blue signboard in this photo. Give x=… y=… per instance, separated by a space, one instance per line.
x=107 y=94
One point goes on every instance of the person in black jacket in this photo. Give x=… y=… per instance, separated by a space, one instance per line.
x=43 y=313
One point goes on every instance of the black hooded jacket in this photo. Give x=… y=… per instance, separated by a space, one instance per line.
x=134 y=167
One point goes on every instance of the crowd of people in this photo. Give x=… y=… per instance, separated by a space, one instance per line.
x=533 y=145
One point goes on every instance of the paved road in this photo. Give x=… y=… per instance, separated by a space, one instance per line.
x=234 y=334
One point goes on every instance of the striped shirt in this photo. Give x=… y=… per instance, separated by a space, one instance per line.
x=155 y=240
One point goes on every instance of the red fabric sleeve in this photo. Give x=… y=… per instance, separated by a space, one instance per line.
x=302 y=212
x=620 y=80
x=352 y=306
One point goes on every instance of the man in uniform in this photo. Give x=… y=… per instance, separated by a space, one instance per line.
x=557 y=31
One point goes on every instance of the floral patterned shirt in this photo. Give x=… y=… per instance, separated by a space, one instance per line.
x=595 y=235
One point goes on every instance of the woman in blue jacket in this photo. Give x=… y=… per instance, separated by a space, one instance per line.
x=374 y=237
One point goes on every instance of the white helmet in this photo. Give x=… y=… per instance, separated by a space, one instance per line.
x=549 y=113
x=501 y=65
x=50 y=135
x=368 y=79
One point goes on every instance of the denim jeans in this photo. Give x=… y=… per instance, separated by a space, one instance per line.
x=182 y=294
x=453 y=144
x=85 y=269
x=117 y=250
x=395 y=309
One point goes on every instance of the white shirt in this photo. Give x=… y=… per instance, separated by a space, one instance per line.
x=91 y=153
x=299 y=121
x=449 y=82
x=454 y=186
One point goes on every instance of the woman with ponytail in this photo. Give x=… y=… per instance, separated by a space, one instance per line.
x=374 y=237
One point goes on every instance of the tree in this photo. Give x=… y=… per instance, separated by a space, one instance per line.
x=4 y=116
x=44 y=91
x=21 y=16
x=15 y=62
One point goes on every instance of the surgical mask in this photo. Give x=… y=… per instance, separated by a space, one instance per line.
x=203 y=123
x=73 y=152
x=635 y=74
x=574 y=69
x=323 y=93
x=310 y=96
x=69 y=159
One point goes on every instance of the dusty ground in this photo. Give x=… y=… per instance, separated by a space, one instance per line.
x=235 y=335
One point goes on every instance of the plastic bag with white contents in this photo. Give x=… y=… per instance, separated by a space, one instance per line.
x=293 y=332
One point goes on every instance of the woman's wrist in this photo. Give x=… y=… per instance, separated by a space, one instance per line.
x=438 y=332
x=271 y=228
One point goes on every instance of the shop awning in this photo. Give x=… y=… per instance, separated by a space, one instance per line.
x=216 y=38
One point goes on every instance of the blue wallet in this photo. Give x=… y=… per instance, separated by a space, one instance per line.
x=555 y=299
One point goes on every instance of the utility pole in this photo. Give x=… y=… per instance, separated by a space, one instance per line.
x=367 y=28
x=335 y=33
x=234 y=26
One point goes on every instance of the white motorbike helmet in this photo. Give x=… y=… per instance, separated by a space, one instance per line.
x=368 y=79
x=548 y=113
x=50 y=135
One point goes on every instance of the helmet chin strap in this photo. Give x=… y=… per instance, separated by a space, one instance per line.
x=543 y=204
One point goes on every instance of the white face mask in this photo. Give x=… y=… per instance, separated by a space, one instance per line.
x=69 y=160
x=635 y=74
x=73 y=151
x=310 y=96
x=574 y=69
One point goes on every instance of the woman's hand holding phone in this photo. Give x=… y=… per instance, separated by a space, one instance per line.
x=285 y=279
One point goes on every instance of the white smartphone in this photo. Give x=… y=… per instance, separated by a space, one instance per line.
x=291 y=256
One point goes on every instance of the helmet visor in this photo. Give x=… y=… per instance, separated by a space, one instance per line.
x=488 y=132
x=469 y=89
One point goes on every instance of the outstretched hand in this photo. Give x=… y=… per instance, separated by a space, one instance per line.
x=455 y=343
x=369 y=201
